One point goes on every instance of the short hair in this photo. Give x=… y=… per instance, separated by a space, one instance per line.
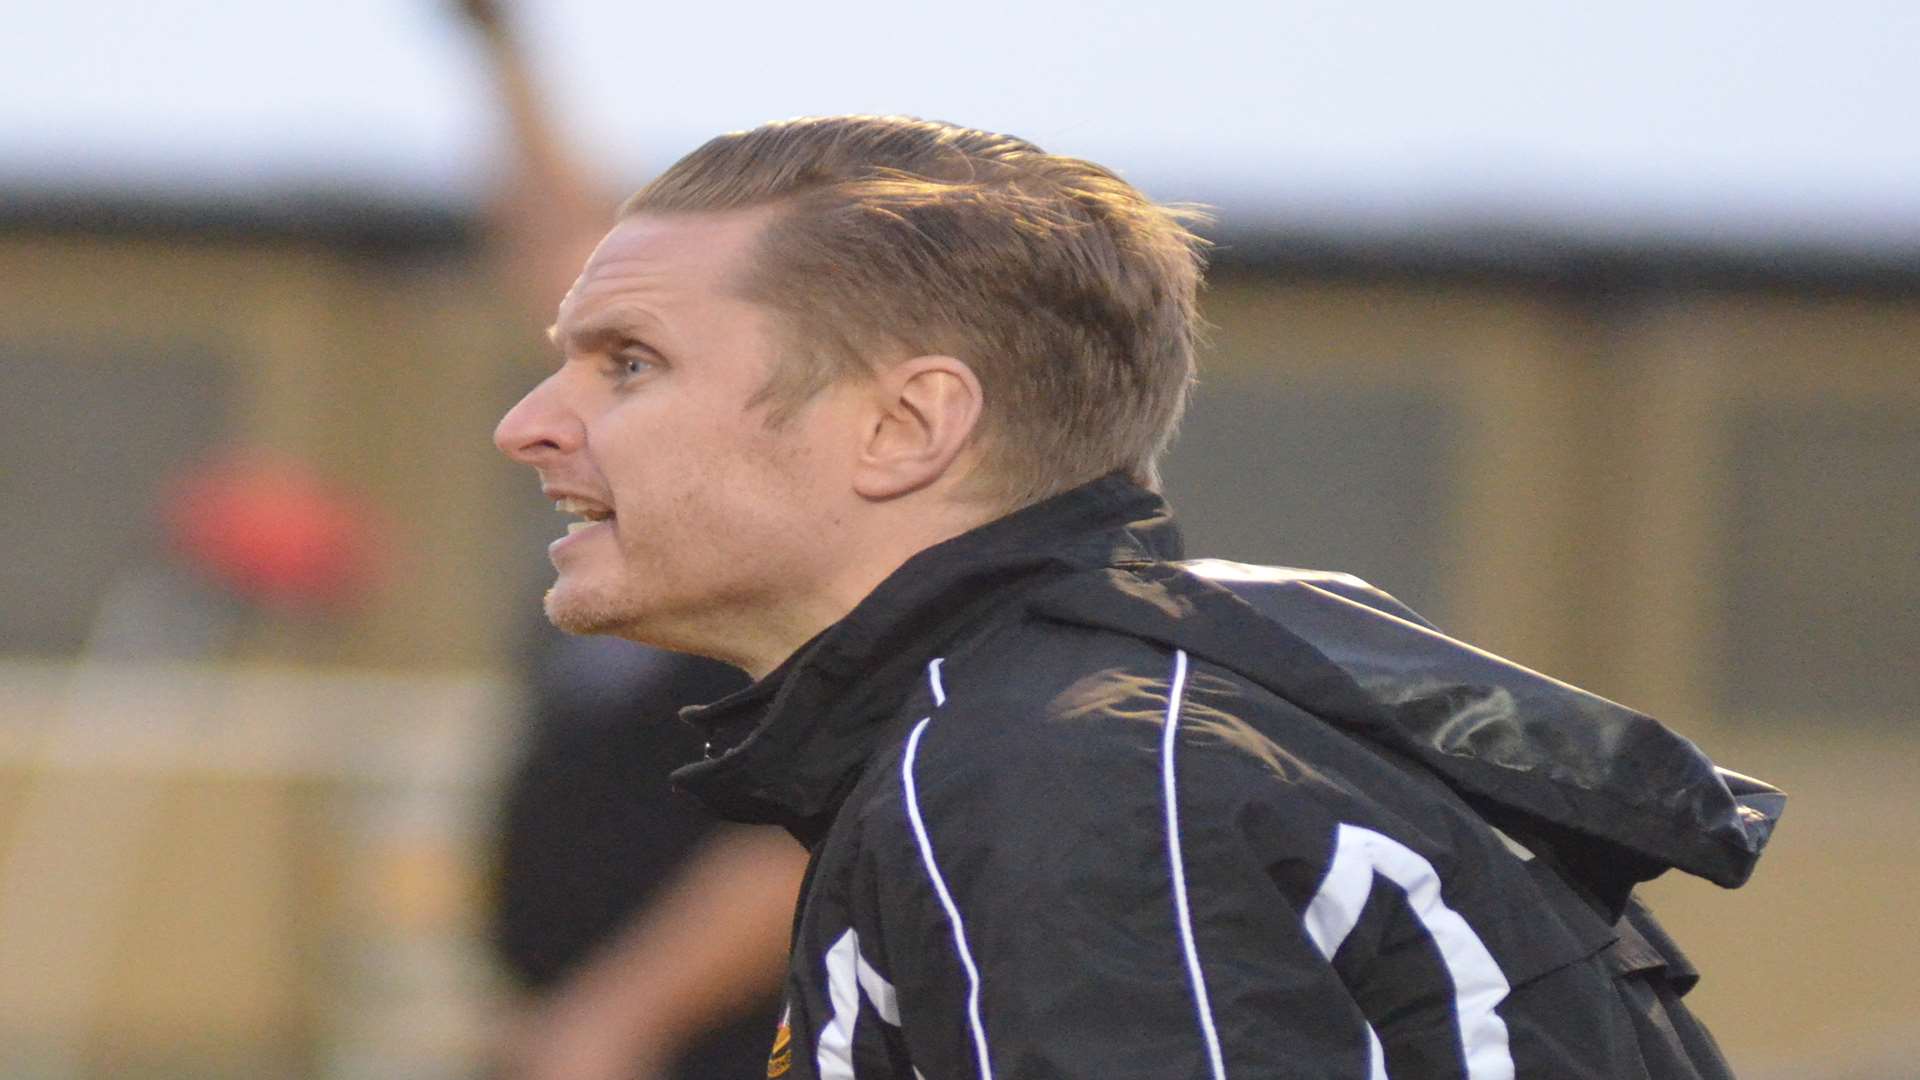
x=1070 y=294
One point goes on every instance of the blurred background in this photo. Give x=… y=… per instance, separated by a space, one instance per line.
x=1593 y=331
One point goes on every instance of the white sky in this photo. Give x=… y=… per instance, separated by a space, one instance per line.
x=1764 y=119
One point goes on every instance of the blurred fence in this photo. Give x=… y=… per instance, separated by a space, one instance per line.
x=229 y=871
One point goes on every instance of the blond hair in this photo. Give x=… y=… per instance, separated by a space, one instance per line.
x=1069 y=293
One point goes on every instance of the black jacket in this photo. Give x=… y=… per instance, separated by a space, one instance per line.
x=1078 y=810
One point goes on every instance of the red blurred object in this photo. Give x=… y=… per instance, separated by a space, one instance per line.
x=275 y=532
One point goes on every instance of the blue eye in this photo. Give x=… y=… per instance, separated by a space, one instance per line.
x=632 y=362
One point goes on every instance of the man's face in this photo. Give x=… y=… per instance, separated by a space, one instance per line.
x=696 y=518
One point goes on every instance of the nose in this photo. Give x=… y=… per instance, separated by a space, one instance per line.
x=541 y=427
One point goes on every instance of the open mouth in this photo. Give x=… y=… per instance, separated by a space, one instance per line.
x=591 y=513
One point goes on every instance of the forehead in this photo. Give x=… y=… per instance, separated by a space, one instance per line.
x=663 y=262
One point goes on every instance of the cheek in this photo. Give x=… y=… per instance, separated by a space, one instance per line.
x=718 y=472
x=796 y=472
x=643 y=452
x=677 y=481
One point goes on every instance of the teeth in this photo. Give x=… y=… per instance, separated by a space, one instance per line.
x=582 y=508
x=576 y=526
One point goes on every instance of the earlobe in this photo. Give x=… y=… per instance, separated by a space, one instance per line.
x=926 y=410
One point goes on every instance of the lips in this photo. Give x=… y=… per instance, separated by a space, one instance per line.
x=591 y=512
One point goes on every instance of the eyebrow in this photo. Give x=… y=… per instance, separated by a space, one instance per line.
x=602 y=325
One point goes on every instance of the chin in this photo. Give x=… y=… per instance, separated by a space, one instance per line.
x=581 y=611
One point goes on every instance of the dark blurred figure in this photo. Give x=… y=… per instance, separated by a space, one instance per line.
x=589 y=823
x=651 y=941
x=634 y=921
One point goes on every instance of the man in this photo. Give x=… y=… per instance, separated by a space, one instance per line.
x=871 y=408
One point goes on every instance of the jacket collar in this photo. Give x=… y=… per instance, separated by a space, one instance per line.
x=787 y=749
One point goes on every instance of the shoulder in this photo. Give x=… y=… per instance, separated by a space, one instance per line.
x=1057 y=730
x=1050 y=698
x=1047 y=700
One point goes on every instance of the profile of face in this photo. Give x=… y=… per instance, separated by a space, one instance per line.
x=699 y=522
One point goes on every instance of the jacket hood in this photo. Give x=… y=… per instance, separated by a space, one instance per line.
x=1617 y=796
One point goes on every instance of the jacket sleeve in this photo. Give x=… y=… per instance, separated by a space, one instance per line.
x=1044 y=915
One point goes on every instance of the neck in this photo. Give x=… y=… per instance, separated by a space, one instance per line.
x=859 y=560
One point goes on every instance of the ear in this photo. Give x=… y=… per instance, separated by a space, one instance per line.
x=924 y=412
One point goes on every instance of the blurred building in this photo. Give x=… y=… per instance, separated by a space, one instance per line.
x=1687 y=479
